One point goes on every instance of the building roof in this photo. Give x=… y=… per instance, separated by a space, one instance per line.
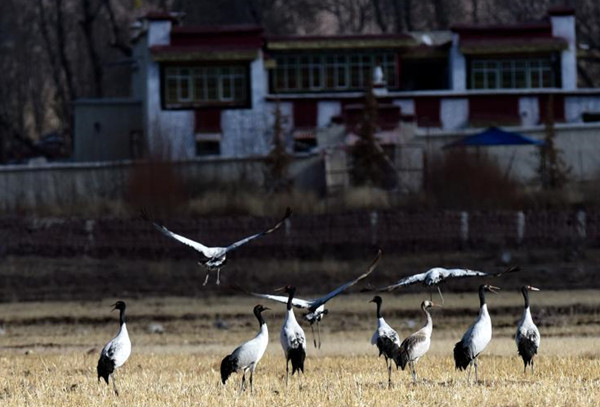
x=296 y=42
x=511 y=45
x=165 y=53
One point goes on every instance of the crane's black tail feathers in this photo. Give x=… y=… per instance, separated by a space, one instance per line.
x=388 y=348
x=527 y=350
x=105 y=368
x=228 y=366
x=401 y=358
x=297 y=357
x=462 y=356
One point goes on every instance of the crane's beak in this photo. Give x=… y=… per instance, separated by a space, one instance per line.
x=433 y=304
x=266 y=308
x=493 y=289
x=114 y=306
x=533 y=288
x=279 y=290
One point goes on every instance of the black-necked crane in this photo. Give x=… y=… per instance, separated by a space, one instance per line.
x=435 y=276
x=477 y=337
x=214 y=258
x=292 y=338
x=386 y=339
x=416 y=345
x=316 y=307
x=116 y=351
x=246 y=356
x=527 y=336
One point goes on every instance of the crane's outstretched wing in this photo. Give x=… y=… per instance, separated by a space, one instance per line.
x=461 y=273
x=296 y=302
x=232 y=246
x=208 y=252
x=322 y=300
x=406 y=281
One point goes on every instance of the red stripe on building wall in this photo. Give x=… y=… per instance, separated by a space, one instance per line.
x=427 y=110
x=305 y=114
x=487 y=110
x=558 y=107
x=208 y=121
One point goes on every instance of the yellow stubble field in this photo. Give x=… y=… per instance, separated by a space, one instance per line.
x=49 y=352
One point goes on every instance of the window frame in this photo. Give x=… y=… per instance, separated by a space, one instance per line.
x=237 y=74
x=334 y=71
x=540 y=70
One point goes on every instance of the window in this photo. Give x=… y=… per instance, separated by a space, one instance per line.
x=205 y=86
x=319 y=72
x=512 y=74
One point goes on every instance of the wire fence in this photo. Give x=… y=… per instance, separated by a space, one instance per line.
x=347 y=234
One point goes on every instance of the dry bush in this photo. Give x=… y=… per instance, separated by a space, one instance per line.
x=155 y=185
x=460 y=179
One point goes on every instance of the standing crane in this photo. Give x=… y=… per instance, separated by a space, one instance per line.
x=292 y=338
x=214 y=258
x=527 y=336
x=316 y=307
x=246 y=356
x=477 y=336
x=416 y=345
x=386 y=339
x=116 y=351
x=435 y=276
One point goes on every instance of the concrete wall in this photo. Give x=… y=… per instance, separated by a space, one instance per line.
x=70 y=184
x=107 y=129
x=564 y=27
x=578 y=143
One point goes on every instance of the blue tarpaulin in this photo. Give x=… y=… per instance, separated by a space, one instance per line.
x=495 y=137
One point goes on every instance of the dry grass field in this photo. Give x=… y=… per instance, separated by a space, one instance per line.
x=49 y=351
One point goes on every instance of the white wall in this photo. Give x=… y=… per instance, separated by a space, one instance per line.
x=454 y=113
x=576 y=105
x=458 y=66
x=564 y=27
x=529 y=110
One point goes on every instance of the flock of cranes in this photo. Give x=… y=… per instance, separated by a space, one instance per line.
x=404 y=353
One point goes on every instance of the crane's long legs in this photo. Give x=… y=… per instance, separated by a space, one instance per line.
x=388 y=363
x=251 y=377
x=525 y=367
x=475 y=363
x=114 y=384
x=470 y=368
x=532 y=366
x=218 y=276
x=205 y=279
x=313 y=334
x=440 y=293
x=414 y=372
x=243 y=383
x=287 y=371
x=319 y=334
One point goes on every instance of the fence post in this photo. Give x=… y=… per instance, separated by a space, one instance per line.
x=374 y=219
x=580 y=225
x=464 y=228
x=520 y=219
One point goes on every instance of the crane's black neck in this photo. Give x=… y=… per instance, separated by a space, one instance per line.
x=291 y=292
x=122 y=316
x=481 y=296
x=378 y=309
x=525 y=296
x=258 y=314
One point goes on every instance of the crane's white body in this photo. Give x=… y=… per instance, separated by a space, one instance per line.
x=416 y=345
x=479 y=334
x=383 y=330
x=435 y=276
x=248 y=354
x=291 y=335
x=118 y=349
x=526 y=329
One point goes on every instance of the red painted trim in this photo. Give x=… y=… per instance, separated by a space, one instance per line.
x=427 y=111
x=305 y=114
x=559 y=107
x=497 y=109
x=207 y=120
x=300 y=38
